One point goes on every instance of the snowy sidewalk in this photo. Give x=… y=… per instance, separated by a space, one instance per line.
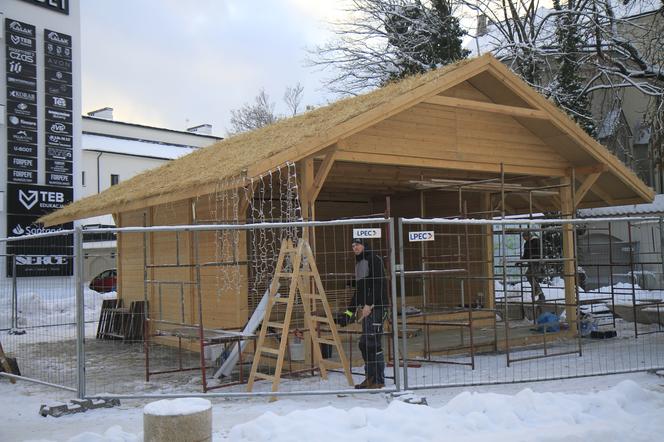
x=608 y=408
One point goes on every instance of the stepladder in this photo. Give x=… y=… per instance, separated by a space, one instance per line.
x=296 y=267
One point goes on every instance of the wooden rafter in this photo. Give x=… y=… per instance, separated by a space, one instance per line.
x=585 y=187
x=512 y=111
x=605 y=196
x=322 y=174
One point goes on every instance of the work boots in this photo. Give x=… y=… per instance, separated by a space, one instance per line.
x=368 y=384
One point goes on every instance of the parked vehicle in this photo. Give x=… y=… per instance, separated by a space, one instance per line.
x=104 y=282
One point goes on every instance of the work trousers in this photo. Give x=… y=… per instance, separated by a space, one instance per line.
x=371 y=345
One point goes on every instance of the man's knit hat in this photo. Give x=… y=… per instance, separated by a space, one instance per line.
x=360 y=241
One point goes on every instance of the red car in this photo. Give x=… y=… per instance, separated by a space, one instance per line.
x=104 y=282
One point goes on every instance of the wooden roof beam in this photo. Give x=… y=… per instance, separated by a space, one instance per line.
x=585 y=187
x=512 y=111
x=587 y=170
x=605 y=196
x=322 y=173
x=469 y=166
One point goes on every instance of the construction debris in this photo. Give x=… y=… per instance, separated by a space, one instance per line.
x=77 y=406
x=409 y=397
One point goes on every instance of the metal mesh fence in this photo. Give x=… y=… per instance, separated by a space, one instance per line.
x=38 y=308
x=479 y=309
x=193 y=327
x=179 y=312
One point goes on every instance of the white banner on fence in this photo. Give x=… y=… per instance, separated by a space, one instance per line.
x=367 y=233
x=421 y=236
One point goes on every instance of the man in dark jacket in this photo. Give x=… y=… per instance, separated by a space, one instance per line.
x=532 y=253
x=369 y=306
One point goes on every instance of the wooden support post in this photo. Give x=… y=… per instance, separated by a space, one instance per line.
x=569 y=255
x=488 y=254
x=305 y=189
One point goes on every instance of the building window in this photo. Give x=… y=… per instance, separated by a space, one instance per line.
x=115 y=179
x=83 y=178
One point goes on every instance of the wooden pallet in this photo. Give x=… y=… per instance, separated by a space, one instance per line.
x=117 y=322
x=303 y=272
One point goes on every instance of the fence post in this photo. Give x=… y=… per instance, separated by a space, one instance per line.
x=404 y=344
x=77 y=253
x=395 y=316
x=661 y=250
x=14 y=328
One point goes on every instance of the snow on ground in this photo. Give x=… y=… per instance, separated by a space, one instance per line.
x=607 y=408
x=622 y=292
x=47 y=301
x=602 y=408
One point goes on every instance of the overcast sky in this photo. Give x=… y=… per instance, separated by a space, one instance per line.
x=176 y=64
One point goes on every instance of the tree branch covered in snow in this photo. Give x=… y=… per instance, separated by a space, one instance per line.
x=384 y=40
x=618 y=50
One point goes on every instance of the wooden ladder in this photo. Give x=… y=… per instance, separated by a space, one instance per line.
x=301 y=261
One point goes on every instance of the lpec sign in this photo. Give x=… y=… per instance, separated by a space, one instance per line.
x=421 y=236
x=367 y=233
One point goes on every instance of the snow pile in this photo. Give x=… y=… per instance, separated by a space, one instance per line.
x=177 y=407
x=113 y=434
x=47 y=301
x=626 y=412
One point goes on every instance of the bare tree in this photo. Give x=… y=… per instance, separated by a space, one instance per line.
x=253 y=115
x=293 y=98
x=261 y=112
x=385 y=40
x=620 y=52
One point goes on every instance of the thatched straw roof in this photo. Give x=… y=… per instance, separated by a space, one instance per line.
x=253 y=153
x=194 y=173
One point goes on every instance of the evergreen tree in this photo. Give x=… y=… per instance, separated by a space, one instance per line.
x=423 y=37
x=567 y=89
x=386 y=40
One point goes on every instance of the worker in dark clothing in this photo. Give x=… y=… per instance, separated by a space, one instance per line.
x=532 y=253
x=369 y=306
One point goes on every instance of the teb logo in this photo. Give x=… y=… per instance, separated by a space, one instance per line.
x=28 y=199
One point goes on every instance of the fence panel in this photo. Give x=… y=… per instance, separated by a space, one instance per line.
x=38 y=307
x=473 y=306
x=186 y=302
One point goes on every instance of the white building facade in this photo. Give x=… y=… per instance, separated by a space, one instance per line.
x=115 y=151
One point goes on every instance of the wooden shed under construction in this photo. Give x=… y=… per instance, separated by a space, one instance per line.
x=468 y=140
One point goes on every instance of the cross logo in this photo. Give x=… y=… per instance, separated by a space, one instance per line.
x=30 y=200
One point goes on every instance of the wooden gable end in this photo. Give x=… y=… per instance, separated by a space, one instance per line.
x=462 y=129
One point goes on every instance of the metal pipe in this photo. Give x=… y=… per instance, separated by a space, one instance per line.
x=36 y=381
x=80 y=312
x=359 y=221
x=631 y=269
x=14 y=296
x=395 y=331
x=404 y=323
x=523 y=221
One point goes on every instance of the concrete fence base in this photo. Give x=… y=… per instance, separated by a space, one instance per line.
x=178 y=420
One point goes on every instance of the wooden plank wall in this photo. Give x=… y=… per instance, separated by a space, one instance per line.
x=224 y=298
x=465 y=139
x=130 y=258
x=224 y=288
